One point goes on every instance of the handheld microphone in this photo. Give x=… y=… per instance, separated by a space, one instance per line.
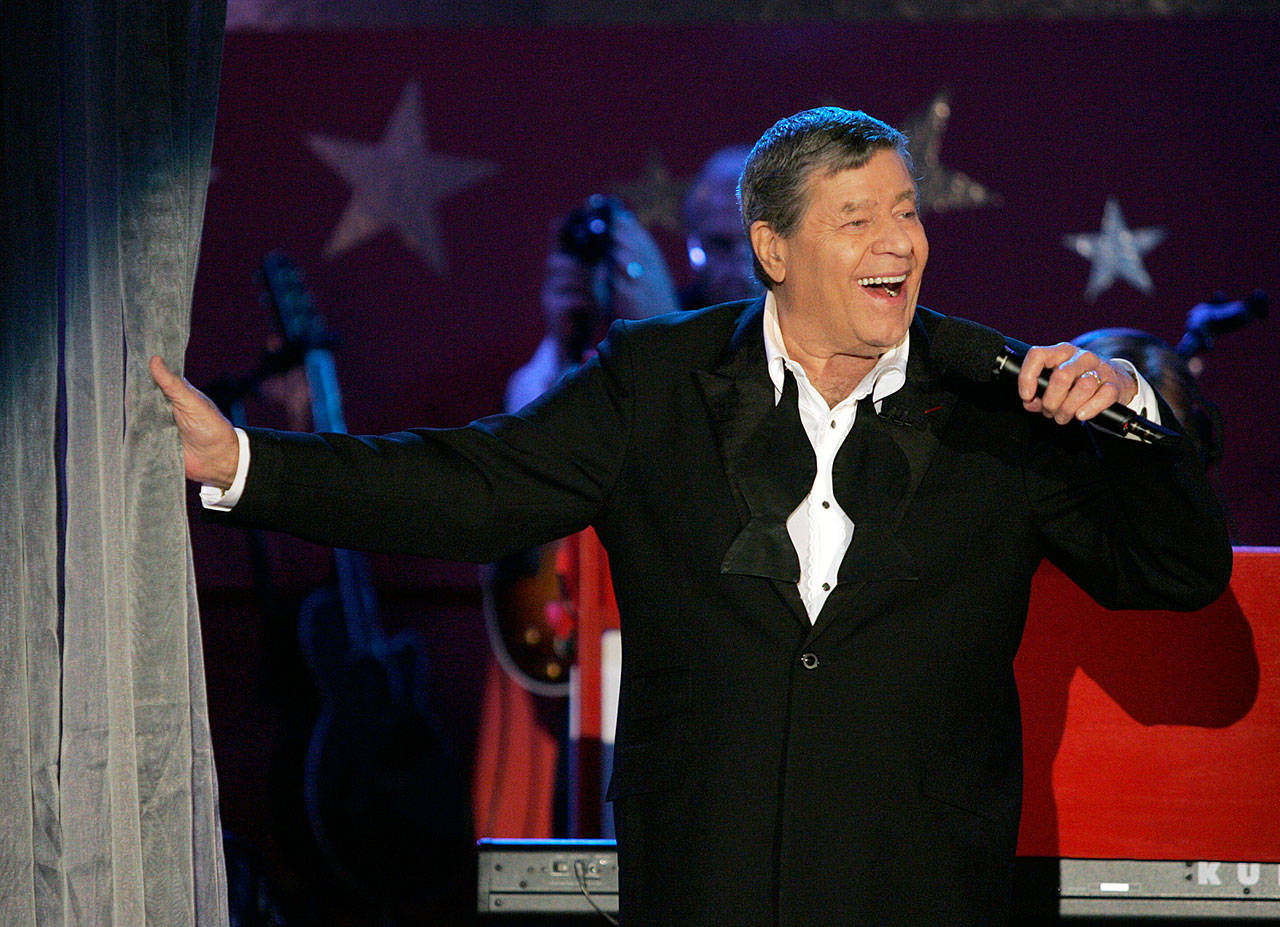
x=981 y=354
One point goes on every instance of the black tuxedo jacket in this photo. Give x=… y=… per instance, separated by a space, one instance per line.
x=860 y=769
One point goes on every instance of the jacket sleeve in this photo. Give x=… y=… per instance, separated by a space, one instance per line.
x=498 y=485
x=1136 y=526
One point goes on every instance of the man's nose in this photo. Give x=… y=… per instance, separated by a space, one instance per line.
x=892 y=238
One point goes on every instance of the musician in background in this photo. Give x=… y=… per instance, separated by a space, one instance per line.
x=1175 y=371
x=718 y=250
x=601 y=265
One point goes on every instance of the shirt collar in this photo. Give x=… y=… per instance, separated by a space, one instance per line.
x=884 y=379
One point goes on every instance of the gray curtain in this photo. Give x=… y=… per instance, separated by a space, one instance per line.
x=108 y=797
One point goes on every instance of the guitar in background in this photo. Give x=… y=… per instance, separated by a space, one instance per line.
x=385 y=798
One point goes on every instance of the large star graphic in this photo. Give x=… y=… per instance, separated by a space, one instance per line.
x=1115 y=252
x=396 y=183
x=940 y=188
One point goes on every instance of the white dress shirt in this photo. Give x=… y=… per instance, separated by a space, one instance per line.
x=820 y=530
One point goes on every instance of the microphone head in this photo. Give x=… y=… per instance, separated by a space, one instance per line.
x=966 y=349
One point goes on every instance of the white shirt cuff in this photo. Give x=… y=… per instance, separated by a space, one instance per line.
x=1144 y=400
x=214 y=497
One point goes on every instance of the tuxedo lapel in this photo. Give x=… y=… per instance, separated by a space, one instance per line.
x=767 y=457
x=766 y=454
x=738 y=395
x=913 y=415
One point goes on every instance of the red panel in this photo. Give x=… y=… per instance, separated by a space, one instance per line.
x=1153 y=735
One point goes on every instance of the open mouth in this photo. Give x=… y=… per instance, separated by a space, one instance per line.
x=891 y=286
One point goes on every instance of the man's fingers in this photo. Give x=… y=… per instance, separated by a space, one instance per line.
x=185 y=397
x=169 y=382
x=1080 y=384
x=1038 y=360
x=209 y=443
x=1103 y=396
x=159 y=372
x=1103 y=386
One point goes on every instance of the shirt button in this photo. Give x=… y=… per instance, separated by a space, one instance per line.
x=826 y=504
x=826 y=587
x=809 y=661
x=833 y=423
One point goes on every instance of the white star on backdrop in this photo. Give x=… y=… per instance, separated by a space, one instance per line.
x=1115 y=252
x=396 y=182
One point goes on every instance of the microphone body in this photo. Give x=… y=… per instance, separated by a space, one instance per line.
x=1117 y=418
x=981 y=354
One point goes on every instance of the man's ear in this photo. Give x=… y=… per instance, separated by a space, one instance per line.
x=770 y=249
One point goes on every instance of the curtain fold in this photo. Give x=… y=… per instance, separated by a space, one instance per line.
x=108 y=795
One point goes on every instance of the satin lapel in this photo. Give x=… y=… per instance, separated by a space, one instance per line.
x=914 y=414
x=738 y=394
x=910 y=417
x=767 y=457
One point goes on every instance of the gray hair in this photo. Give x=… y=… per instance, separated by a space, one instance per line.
x=829 y=139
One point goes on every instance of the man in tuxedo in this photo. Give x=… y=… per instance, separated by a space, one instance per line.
x=821 y=542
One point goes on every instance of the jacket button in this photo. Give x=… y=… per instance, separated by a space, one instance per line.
x=809 y=660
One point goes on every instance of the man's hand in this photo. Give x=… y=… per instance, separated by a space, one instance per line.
x=210 y=449
x=1081 y=385
x=642 y=284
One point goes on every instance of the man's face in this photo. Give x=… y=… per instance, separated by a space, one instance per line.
x=719 y=253
x=849 y=274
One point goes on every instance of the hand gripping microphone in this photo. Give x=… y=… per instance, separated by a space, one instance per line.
x=981 y=354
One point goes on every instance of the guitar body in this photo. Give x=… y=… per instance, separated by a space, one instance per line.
x=529 y=617
x=385 y=798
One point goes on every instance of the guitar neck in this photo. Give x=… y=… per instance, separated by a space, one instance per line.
x=359 y=603
x=326 y=398
x=303 y=327
x=355 y=584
